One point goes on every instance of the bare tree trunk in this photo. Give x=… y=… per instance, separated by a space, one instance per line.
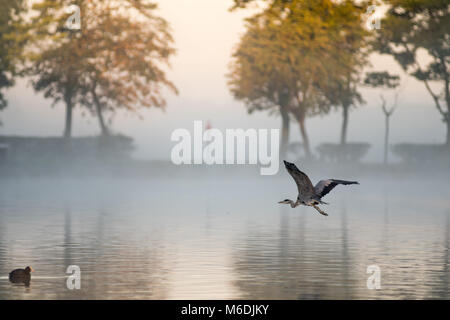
x=447 y=100
x=284 y=131
x=448 y=132
x=101 y=121
x=98 y=109
x=386 y=139
x=68 y=124
x=300 y=116
x=344 y=124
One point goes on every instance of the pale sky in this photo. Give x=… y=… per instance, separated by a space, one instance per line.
x=205 y=34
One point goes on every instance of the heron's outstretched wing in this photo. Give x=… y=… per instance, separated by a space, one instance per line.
x=304 y=185
x=323 y=187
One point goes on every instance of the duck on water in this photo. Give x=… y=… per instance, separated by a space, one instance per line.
x=21 y=275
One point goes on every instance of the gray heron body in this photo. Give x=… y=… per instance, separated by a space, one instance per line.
x=309 y=195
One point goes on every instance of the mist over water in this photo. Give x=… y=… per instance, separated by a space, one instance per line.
x=219 y=233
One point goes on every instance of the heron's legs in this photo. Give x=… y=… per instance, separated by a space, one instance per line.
x=320 y=211
x=296 y=204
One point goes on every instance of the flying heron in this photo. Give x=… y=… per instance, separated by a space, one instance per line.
x=308 y=195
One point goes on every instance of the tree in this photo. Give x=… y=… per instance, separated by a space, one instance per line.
x=126 y=69
x=12 y=41
x=416 y=34
x=290 y=49
x=348 y=56
x=387 y=81
x=257 y=76
x=114 y=61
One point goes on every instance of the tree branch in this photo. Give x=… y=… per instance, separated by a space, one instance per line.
x=435 y=96
x=383 y=105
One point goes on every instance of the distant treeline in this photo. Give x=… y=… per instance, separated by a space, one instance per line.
x=297 y=58
x=302 y=58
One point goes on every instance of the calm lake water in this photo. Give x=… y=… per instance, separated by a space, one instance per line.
x=223 y=238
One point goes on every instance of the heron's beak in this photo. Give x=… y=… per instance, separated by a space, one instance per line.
x=288 y=164
x=284 y=201
x=31 y=269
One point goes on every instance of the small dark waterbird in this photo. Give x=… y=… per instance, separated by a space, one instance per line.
x=309 y=195
x=21 y=275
